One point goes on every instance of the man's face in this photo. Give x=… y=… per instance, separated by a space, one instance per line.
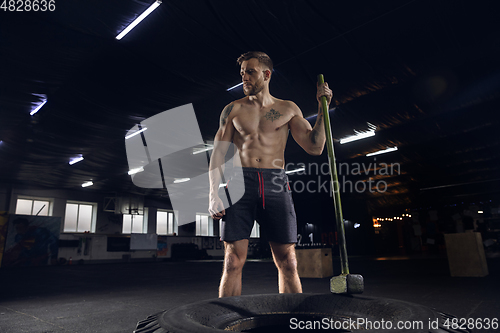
x=252 y=75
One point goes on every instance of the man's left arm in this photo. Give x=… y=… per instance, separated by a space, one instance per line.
x=311 y=139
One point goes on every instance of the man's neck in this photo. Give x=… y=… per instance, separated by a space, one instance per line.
x=262 y=99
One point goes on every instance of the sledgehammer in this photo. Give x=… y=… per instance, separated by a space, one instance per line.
x=345 y=283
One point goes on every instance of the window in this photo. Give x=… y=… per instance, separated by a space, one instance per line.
x=80 y=217
x=255 y=230
x=133 y=224
x=166 y=223
x=32 y=206
x=204 y=225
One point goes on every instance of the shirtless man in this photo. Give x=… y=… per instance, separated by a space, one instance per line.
x=258 y=125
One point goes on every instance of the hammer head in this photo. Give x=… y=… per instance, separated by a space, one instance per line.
x=347 y=284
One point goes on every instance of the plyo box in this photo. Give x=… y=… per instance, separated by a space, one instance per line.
x=314 y=263
x=466 y=254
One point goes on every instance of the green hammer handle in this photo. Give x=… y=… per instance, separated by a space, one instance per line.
x=334 y=183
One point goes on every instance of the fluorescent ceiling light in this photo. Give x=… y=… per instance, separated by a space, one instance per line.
x=181 y=180
x=236 y=86
x=87 y=184
x=139 y=19
x=388 y=150
x=75 y=160
x=480 y=212
x=296 y=170
x=135 y=133
x=201 y=150
x=38 y=108
x=358 y=136
x=222 y=185
x=356 y=225
x=136 y=170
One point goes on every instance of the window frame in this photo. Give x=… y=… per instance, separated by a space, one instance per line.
x=255 y=233
x=175 y=224
x=211 y=232
x=93 y=221
x=144 y=223
x=34 y=198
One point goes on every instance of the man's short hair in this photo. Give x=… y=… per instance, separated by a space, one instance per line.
x=263 y=58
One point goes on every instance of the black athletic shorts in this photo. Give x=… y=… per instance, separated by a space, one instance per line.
x=268 y=200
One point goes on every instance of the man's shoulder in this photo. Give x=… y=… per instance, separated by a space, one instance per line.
x=229 y=111
x=236 y=104
x=288 y=105
x=241 y=101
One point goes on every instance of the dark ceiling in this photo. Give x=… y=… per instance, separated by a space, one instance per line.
x=426 y=73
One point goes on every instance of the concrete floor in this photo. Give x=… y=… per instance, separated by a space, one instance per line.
x=114 y=297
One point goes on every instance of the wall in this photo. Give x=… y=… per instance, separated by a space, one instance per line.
x=93 y=246
x=4 y=199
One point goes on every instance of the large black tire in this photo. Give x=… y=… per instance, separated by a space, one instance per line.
x=273 y=313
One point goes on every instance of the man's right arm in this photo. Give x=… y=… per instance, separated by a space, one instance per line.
x=222 y=141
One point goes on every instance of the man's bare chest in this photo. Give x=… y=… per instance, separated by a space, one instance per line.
x=269 y=120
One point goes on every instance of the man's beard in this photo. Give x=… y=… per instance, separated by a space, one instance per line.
x=254 y=90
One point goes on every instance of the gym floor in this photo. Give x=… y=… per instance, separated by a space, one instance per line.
x=114 y=297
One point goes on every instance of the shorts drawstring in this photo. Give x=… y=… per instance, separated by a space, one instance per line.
x=226 y=190
x=261 y=188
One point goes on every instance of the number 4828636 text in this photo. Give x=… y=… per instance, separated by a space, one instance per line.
x=28 y=5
